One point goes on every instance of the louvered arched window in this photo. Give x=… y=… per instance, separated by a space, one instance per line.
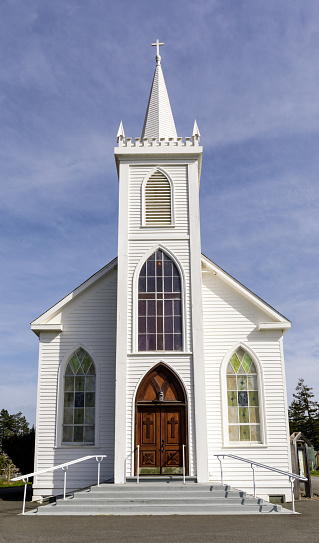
x=158 y=201
x=79 y=399
x=159 y=305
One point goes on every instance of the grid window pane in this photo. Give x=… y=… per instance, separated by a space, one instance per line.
x=159 y=305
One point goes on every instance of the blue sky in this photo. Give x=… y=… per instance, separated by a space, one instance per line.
x=247 y=70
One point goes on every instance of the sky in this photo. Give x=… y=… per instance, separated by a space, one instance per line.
x=71 y=70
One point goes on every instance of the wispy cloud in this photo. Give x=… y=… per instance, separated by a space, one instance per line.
x=72 y=70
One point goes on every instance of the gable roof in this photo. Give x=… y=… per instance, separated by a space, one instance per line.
x=281 y=320
x=37 y=324
x=278 y=320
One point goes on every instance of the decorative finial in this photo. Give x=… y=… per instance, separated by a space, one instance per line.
x=120 y=133
x=158 y=58
x=196 y=132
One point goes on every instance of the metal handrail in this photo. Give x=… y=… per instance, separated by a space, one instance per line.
x=292 y=476
x=137 y=464
x=64 y=468
x=184 y=467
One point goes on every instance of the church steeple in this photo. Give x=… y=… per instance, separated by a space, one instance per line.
x=159 y=121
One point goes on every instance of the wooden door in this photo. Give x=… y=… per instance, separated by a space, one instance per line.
x=161 y=436
x=161 y=424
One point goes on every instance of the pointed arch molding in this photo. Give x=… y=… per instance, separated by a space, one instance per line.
x=135 y=298
x=224 y=403
x=60 y=399
x=143 y=187
x=134 y=403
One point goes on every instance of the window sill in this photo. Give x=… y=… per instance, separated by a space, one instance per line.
x=239 y=445
x=160 y=353
x=157 y=226
x=77 y=445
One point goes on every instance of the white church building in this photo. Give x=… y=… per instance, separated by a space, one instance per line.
x=161 y=348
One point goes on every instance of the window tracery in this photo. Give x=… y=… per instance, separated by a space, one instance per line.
x=79 y=399
x=159 y=305
x=243 y=398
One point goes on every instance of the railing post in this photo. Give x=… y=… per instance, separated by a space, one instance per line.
x=254 y=481
x=221 y=470
x=99 y=460
x=65 y=469
x=292 y=480
x=184 y=470
x=138 y=465
x=24 y=494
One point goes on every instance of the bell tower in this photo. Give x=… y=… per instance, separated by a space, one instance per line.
x=159 y=300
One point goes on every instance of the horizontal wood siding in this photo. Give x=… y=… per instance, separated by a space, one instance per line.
x=90 y=321
x=178 y=174
x=137 y=367
x=229 y=319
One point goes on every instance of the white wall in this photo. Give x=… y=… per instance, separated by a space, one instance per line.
x=88 y=320
x=228 y=320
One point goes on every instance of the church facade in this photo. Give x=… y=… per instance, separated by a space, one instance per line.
x=161 y=354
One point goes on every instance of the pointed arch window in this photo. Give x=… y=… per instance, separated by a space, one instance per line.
x=159 y=305
x=79 y=399
x=158 y=200
x=243 y=398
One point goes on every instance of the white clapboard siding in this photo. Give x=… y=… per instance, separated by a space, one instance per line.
x=178 y=175
x=137 y=251
x=137 y=367
x=229 y=319
x=88 y=320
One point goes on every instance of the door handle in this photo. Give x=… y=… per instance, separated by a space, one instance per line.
x=163 y=445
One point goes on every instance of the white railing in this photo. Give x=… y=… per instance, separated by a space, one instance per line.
x=137 y=464
x=184 y=467
x=292 y=476
x=64 y=467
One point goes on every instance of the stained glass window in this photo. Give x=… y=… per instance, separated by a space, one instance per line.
x=242 y=396
x=159 y=305
x=79 y=399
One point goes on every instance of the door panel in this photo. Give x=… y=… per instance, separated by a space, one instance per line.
x=161 y=433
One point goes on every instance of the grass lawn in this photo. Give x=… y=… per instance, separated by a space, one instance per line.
x=315 y=473
x=5 y=484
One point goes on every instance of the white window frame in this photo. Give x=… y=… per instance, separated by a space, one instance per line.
x=224 y=402
x=135 y=300
x=60 y=402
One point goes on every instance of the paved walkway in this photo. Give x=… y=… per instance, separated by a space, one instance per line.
x=179 y=529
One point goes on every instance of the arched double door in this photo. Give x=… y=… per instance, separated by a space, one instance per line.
x=161 y=423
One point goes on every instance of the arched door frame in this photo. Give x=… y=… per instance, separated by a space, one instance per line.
x=184 y=404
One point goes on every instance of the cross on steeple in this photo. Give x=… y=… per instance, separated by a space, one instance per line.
x=157 y=44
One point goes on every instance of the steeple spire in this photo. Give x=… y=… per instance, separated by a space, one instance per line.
x=159 y=121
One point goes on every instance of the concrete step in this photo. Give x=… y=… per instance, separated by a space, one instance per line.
x=161 y=479
x=160 y=509
x=160 y=498
x=112 y=494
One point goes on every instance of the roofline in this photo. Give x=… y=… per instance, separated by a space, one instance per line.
x=256 y=300
x=259 y=302
x=78 y=290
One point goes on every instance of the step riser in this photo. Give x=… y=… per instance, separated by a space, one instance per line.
x=148 y=510
x=151 y=495
x=163 y=501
